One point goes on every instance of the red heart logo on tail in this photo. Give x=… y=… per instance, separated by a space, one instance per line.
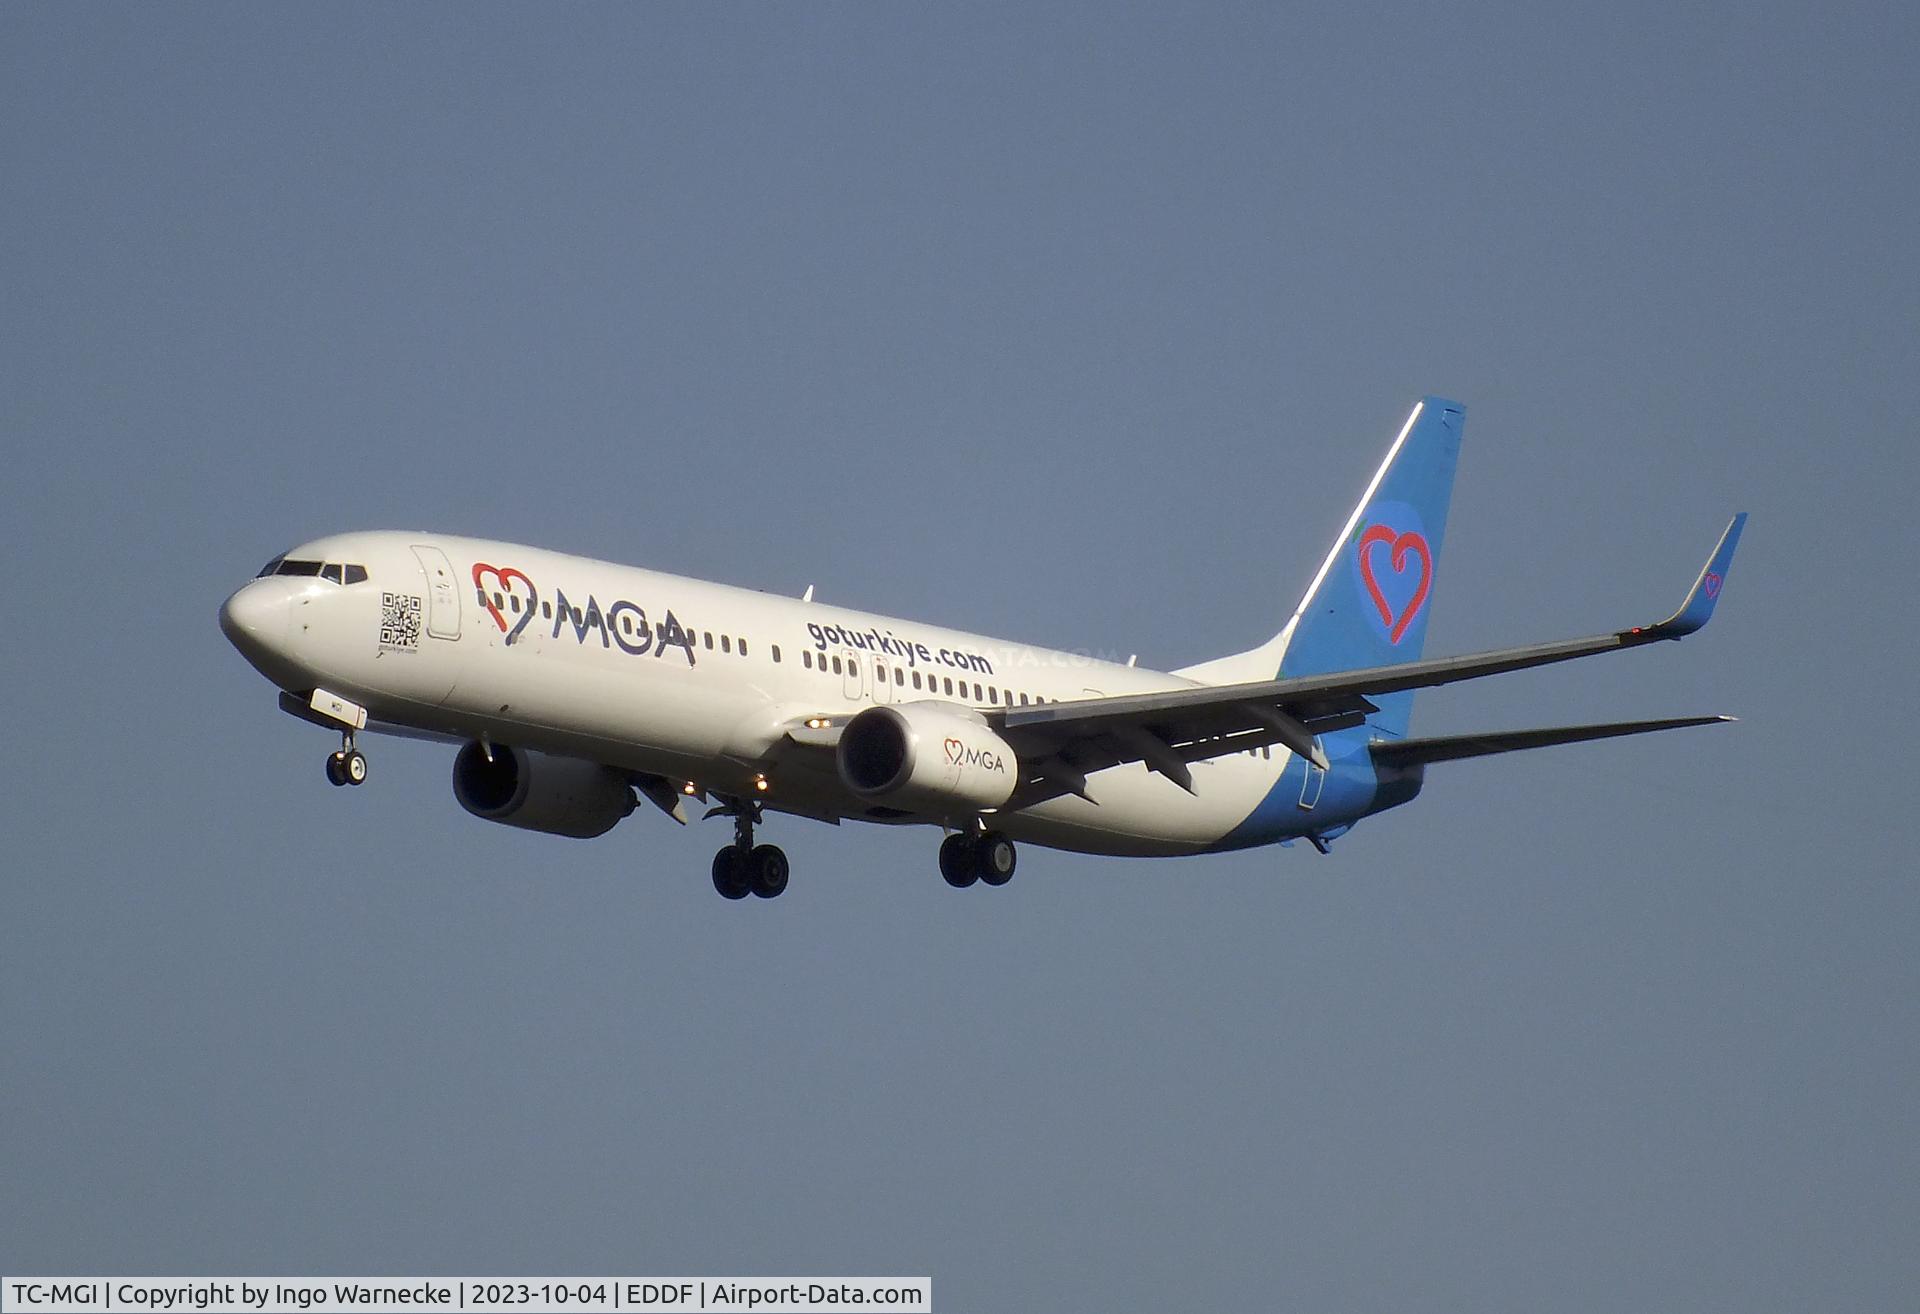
x=1400 y=546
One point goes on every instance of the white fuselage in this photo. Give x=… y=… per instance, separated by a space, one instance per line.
x=689 y=680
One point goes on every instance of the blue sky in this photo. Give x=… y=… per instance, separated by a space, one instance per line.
x=1077 y=325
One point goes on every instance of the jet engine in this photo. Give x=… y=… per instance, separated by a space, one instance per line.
x=538 y=791
x=926 y=755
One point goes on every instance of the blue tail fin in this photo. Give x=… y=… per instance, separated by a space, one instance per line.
x=1369 y=604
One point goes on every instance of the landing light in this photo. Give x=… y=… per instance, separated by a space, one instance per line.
x=760 y=783
x=689 y=789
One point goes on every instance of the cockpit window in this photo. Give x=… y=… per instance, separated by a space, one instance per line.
x=337 y=572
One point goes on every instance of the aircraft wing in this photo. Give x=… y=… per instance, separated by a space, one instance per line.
x=1062 y=743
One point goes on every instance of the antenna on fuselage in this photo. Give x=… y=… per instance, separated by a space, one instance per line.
x=808 y=595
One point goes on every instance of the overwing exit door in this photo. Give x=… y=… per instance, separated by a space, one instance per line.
x=1310 y=786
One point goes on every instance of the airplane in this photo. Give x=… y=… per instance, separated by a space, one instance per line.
x=575 y=688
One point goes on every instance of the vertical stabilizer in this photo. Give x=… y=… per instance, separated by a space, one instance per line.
x=1369 y=603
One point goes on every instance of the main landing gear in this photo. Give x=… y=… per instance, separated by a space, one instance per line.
x=743 y=867
x=988 y=856
x=347 y=765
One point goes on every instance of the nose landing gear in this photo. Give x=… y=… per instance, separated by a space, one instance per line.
x=347 y=765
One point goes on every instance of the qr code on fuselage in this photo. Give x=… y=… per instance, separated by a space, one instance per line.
x=399 y=620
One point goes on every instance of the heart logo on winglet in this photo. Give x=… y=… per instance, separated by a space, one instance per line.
x=1399 y=547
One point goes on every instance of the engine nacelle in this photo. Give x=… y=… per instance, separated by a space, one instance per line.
x=537 y=791
x=927 y=755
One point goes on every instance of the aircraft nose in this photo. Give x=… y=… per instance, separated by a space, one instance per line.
x=254 y=619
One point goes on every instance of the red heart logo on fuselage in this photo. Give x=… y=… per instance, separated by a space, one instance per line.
x=954 y=748
x=506 y=575
x=1399 y=546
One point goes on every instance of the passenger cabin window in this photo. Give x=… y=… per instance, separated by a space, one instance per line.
x=743 y=647
x=899 y=676
x=726 y=644
x=836 y=666
x=916 y=679
x=776 y=654
x=806 y=658
x=709 y=638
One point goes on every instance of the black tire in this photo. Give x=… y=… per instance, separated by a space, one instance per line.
x=994 y=856
x=730 y=878
x=767 y=871
x=957 y=864
x=336 y=769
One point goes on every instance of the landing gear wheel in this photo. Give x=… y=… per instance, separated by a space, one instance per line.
x=730 y=878
x=337 y=768
x=994 y=857
x=767 y=870
x=957 y=862
x=354 y=767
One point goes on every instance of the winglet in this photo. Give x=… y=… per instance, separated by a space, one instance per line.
x=1697 y=610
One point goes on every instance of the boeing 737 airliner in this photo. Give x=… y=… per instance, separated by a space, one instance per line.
x=574 y=685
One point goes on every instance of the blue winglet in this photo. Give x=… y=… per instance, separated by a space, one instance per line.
x=1697 y=610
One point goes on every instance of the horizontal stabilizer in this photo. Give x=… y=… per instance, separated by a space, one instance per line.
x=1411 y=752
